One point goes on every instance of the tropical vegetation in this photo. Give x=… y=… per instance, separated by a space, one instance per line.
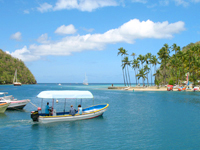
x=8 y=65
x=175 y=64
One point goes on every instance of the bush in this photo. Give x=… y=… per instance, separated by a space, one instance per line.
x=171 y=82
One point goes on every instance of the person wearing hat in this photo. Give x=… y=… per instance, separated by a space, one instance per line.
x=72 y=111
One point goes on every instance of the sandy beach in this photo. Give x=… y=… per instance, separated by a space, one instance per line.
x=151 y=88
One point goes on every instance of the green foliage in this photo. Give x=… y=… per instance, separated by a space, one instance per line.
x=183 y=61
x=157 y=82
x=171 y=82
x=8 y=65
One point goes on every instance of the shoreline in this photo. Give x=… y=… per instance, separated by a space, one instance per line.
x=152 y=88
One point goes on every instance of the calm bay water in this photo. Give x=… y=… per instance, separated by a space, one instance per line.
x=134 y=120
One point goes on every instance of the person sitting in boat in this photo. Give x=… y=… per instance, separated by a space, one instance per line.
x=80 y=110
x=47 y=112
x=72 y=111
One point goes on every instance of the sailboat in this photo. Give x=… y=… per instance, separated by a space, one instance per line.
x=85 y=82
x=15 y=83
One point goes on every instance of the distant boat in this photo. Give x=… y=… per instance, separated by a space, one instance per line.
x=15 y=83
x=85 y=82
x=59 y=84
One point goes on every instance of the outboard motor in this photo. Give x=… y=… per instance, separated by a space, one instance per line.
x=35 y=115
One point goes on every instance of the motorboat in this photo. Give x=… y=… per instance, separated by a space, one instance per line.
x=3 y=107
x=196 y=89
x=169 y=87
x=14 y=103
x=88 y=113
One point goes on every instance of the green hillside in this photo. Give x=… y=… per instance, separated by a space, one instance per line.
x=8 y=65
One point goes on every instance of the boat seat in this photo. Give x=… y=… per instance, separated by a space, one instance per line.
x=54 y=112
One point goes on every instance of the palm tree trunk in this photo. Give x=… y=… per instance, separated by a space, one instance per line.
x=123 y=73
x=143 y=81
x=126 y=76
x=151 y=75
x=135 y=77
x=129 y=76
x=123 y=77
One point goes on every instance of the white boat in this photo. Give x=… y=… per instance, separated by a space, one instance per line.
x=15 y=83
x=14 y=103
x=85 y=82
x=3 y=107
x=88 y=113
x=59 y=84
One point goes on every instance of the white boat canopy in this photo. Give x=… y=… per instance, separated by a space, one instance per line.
x=68 y=94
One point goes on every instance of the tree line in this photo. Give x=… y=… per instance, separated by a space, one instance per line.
x=8 y=65
x=174 y=65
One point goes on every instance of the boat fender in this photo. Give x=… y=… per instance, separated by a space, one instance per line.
x=39 y=109
x=35 y=115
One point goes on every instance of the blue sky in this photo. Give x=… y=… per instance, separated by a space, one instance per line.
x=61 y=40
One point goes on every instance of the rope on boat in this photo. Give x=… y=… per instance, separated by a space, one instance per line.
x=34 y=105
x=16 y=109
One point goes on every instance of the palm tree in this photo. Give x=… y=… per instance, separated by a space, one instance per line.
x=142 y=75
x=157 y=77
x=141 y=59
x=193 y=59
x=127 y=63
x=164 y=56
x=176 y=49
x=147 y=58
x=154 y=62
x=136 y=65
x=122 y=52
x=181 y=61
x=133 y=54
x=146 y=69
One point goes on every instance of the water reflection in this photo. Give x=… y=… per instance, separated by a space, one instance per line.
x=3 y=115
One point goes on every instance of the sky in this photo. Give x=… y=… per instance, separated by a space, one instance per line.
x=62 y=40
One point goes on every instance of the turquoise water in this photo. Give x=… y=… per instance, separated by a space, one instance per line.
x=134 y=120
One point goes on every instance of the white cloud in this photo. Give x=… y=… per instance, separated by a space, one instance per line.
x=16 y=36
x=88 y=30
x=44 y=7
x=26 y=12
x=82 y=5
x=24 y=54
x=164 y=2
x=181 y=2
x=43 y=38
x=195 y=1
x=128 y=32
x=70 y=29
x=139 y=1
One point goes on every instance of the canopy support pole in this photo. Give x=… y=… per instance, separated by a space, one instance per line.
x=65 y=105
x=41 y=105
x=76 y=103
x=52 y=106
